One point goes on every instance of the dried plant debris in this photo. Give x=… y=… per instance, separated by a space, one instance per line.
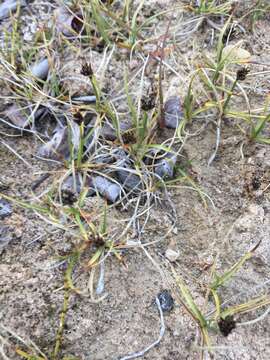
x=166 y=300
x=227 y=325
x=64 y=141
x=9 y=6
x=5 y=209
x=108 y=189
x=173 y=112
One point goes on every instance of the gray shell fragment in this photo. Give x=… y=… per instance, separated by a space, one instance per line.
x=41 y=69
x=173 y=112
x=129 y=180
x=21 y=117
x=17 y=116
x=86 y=99
x=66 y=23
x=108 y=132
x=106 y=188
x=165 y=166
x=58 y=148
x=9 y=6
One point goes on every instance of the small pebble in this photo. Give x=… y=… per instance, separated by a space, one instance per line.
x=5 y=209
x=172 y=255
x=173 y=112
x=40 y=69
x=166 y=300
x=5 y=237
x=9 y=6
x=165 y=166
x=106 y=188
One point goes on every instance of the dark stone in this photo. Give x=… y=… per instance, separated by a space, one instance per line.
x=166 y=300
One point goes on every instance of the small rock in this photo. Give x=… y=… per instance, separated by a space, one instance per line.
x=165 y=166
x=172 y=255
x=109 y=190
x=9 y=6
x=40 y=70
x=5 y=209
x=129 y=180
x=5 y=237
x=173 y=112
x=166 y=300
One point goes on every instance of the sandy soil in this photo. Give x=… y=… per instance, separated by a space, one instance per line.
x=127 y=320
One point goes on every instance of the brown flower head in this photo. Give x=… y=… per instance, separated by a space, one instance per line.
x=242 y=74
x=226 y=325
x=87 y=70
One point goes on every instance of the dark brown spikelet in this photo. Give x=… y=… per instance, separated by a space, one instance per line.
x=229 y=34
x=226 y=325
x=148 y=102
x=77 y=23
x=242 y=74
x=78 y=118
x=87 y=70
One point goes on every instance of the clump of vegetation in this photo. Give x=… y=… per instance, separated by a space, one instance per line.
x=130 y=158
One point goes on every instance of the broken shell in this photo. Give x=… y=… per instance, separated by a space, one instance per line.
x=109 y=133
x=106 y=188
x=173 y=112
x=68 y=24
x=8 y=6
x=40 y=70
x=129 y=180
x=90 y=99
x=165 y=166
x=126 y=174
x=22 y=117
x=58 y=148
